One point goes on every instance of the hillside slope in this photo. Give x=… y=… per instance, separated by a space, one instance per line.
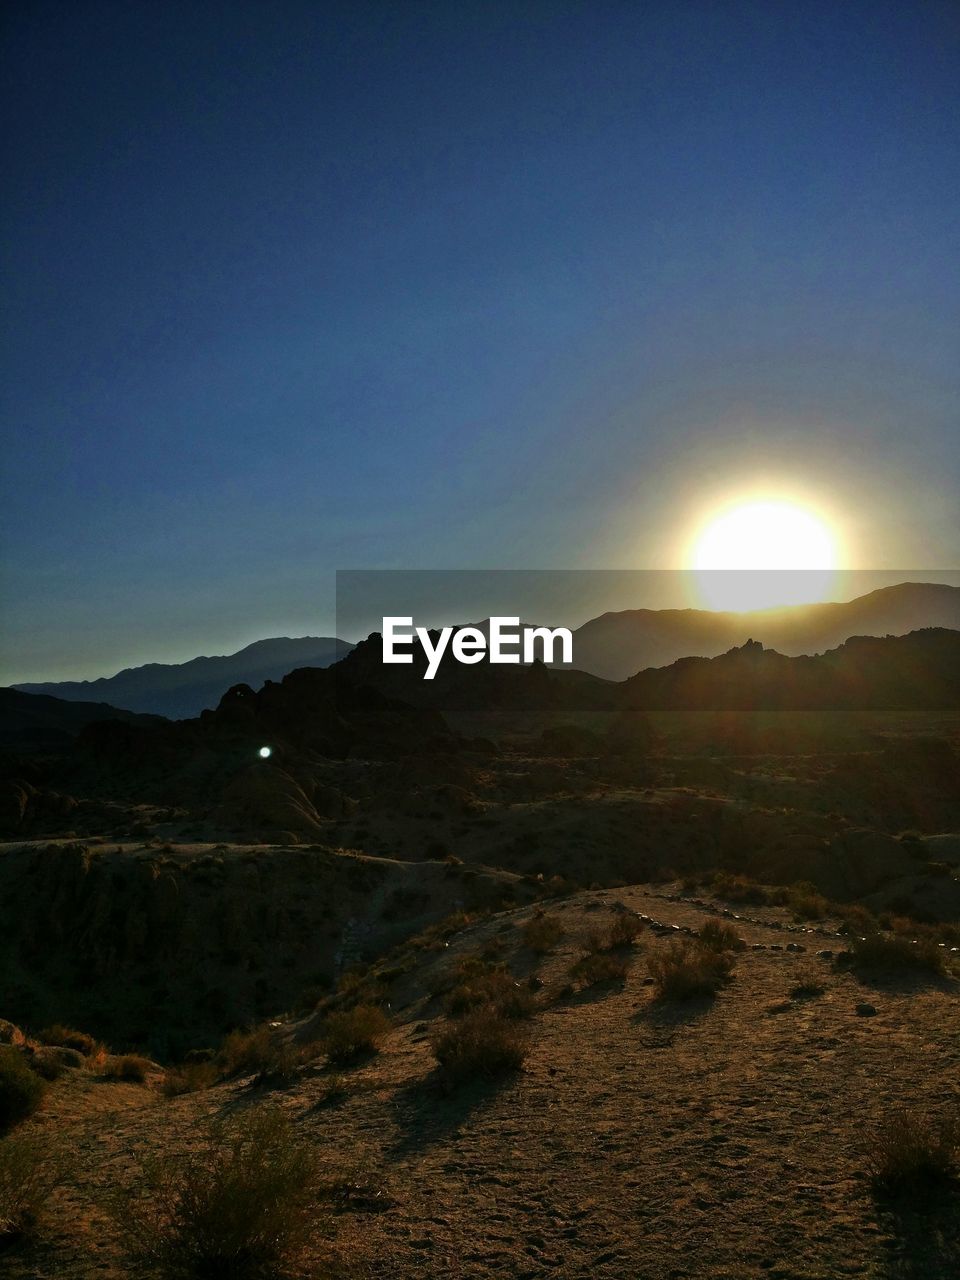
x=720 y=1139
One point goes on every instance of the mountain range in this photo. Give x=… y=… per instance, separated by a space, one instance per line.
x=618 y=645
x=614 y=646
x=184 y=689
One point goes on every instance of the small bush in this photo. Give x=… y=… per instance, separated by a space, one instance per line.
x=29 y=1171
x=189 y=1077
x=483 y=1043
x=542 y=933
x=807 y=986
x=129 y=1066
x=688 y=969
x=738 y=889
x=879 y=953
x=20 y=1088
x=624 y=931
x=242 y=1205
x=910 y=1152
x=51 y=1062
x=247 y=1052
x=350 y=1033
x=720 y=937
x=494 y=988
x=68 y=1038
x=598 y=967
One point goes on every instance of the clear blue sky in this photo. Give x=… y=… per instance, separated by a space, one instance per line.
x=293 y=287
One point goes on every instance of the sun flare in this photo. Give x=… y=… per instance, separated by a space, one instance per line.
x=762 y=554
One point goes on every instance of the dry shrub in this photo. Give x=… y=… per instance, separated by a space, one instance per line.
x=20 y=1088
x=624 y=931
x=688 y=969
x=51 y=1061
x=69 y=1038
x=260 y=1052
x=720 y=937
x=808 y=985
x=29 y=1171
x=879 y=953
x=738 y=888
x=348 y=1034
x=598 y=967
x=542 y=933
x=911 y=1152
x=494 y=988
x=189 y=1077
x=241 y=1203
x=481 y=1044
x=129 y=1066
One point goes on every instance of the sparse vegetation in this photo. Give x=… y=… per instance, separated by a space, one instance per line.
x=492 y=987
x=542 y=932
x=69 y=1038
x=483 y=1043
x=598 y=967
x=20 y=1088
x=720 y=937
x=348 y=1034
x=808 y=986
x=242 y=1205
x=910 y=1152
x=129 y=1066
x=624 y=931
x=688 y=969
x=189 y=1077
x=29 y=1171
x=882 y=954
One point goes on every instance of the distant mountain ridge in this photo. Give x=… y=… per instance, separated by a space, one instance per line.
x=182 y=690
x=618 y=645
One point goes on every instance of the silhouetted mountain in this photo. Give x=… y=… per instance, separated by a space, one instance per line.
x=483 y=686
x=30 y=722
x=916 y=672
x=184 y=689
x=617 y=645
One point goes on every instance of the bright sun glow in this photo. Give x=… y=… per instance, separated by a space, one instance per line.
x=761 y=554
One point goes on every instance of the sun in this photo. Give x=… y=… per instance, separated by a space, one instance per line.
x=761 y=554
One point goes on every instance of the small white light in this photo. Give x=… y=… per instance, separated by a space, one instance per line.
x=266 y=753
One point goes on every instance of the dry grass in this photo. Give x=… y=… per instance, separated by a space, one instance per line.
x=494 y=988
x=884 y=954
x=598 y=967
x=720 y=937
x=20 y=1088
x=542 y=933
x=911 y=1152
x=261 y=1053
x=129 y=1066
x=348 y=1034
x=69 y=1038
x=624 y=931
x=687 y=969
x=807 y=986
x=481 y=1044
x=29 y=1171
x=241 y=1204
x=189 y=1077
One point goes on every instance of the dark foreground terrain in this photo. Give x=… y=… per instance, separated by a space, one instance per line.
x=468 y=966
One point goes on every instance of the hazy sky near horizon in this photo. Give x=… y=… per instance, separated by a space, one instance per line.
x=300 y=287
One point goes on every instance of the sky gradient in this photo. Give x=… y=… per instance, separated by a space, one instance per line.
x=294 y=288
